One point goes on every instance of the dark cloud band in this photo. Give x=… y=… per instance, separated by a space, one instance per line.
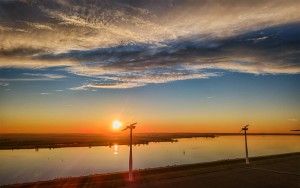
x=125 y=44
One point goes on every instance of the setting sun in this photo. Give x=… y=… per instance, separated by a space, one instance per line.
x=116 y=124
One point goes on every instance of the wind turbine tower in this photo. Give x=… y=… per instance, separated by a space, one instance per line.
x=245 y=129
x=130 y=127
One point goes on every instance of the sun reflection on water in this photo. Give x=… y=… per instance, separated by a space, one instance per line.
x=116 y=149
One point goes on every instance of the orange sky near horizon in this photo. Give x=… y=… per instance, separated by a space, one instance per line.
x=37 y=114
x=144 y=126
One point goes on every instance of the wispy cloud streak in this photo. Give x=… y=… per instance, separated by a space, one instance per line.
x=33 y=77
x=124 y=44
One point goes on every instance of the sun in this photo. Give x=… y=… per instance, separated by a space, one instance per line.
x=116 y=124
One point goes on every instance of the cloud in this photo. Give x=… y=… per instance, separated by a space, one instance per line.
x=33 y=77
x=44 y=76
x=125 y=44
x=91 y=86
x=20 y=52
x=135 y=65
x=142 y=79
x=4 y=84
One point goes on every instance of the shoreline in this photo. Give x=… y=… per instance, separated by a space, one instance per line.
x=51 y=141
x=168 y=172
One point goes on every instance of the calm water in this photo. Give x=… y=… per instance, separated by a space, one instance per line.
x=29 y=165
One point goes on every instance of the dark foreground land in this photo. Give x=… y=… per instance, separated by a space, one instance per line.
x=35 y=141
x=282 y=171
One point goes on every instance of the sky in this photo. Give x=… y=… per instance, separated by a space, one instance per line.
x=71 y=66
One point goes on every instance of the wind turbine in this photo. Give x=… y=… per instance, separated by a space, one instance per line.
x=131 y=127
x=245 y=129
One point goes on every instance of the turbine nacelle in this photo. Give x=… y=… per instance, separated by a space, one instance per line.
x=131 y=126
x=245 y=128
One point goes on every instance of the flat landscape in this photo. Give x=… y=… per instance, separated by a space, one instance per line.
x=268 y=171
x=33 y=141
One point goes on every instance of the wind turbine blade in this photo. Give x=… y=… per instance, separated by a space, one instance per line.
x=133 y=124
x=125 y=128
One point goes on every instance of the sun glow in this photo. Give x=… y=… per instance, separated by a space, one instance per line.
x=116 y=124
x=116 y=149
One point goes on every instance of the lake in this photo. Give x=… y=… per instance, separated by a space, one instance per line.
x=28 y=165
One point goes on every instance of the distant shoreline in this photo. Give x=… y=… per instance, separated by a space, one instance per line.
x=39 y=141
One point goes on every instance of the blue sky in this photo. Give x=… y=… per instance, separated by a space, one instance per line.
x=174 y=59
